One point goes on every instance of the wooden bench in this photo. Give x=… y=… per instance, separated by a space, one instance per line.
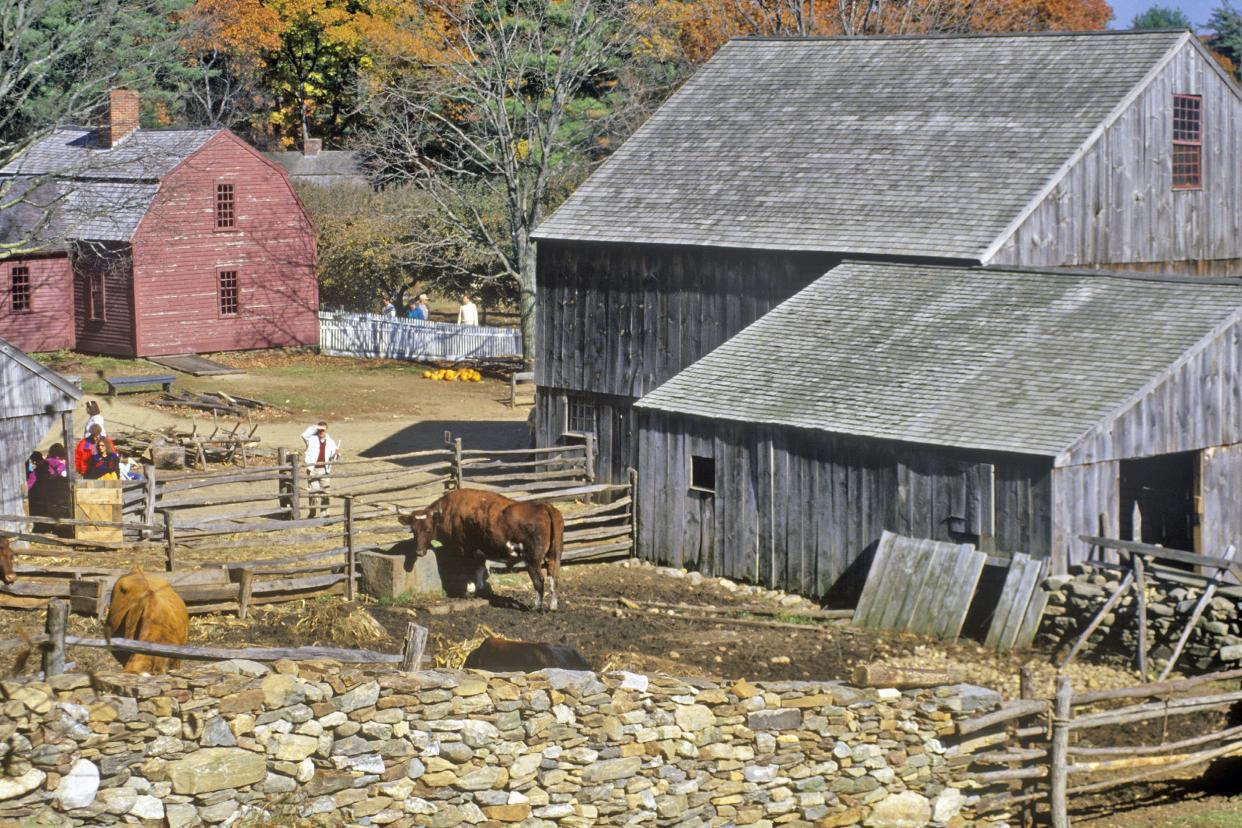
x=165 y=381
x=514 y=379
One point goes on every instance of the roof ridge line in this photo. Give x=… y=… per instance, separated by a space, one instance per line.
x=960 y=35
x=1068 y=272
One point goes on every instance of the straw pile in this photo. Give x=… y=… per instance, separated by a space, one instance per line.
x=452 y=654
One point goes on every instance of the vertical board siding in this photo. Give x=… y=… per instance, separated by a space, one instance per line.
x=616 y=451
x=803 y=511
x=622 y=319
x=1080 y=495
x=1117 y=205
x=30 y=407
x=178 y=252
x=1221 y=490
x=114 y=334
x=1197 y=405
x=48 y=325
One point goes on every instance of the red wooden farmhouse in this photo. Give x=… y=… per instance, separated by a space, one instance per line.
x=154 y=242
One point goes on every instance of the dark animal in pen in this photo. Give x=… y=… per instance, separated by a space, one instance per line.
x=500 y=655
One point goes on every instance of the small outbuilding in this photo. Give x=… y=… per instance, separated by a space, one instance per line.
x=320 y=167
x=33 y=400
x=1014 y=409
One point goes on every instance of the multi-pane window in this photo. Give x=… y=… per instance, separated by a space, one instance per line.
x=580 y=417
x=1187 y=142
x=95 y=297
x=19 y=290
x=228 y=292
x=226 y=212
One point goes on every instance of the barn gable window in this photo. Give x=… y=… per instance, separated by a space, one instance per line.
x=1187 y=142
x=580 y=416
x=95 y=297
x=19 y=290
x=703 y=473
x=226 y=214
x=228 y=292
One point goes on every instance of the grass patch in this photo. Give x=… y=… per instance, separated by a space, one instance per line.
x=784 y=618
x=92 y=369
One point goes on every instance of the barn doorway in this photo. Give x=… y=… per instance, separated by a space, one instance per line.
x=1166 y=489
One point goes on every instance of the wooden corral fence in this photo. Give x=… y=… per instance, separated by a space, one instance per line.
x=200 y=529
x=390 y=337
x=54 y=643
x=1035 y=754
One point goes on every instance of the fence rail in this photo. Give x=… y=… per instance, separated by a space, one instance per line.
x=200 y=548
x=1034 y=752
x=388 y=337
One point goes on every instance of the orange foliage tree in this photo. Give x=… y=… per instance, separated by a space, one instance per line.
x=703 y=25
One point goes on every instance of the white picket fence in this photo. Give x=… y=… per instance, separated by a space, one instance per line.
x=388 y=337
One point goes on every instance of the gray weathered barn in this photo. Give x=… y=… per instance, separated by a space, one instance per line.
x=781 y=158
x=33 y=400
x=1009 y=408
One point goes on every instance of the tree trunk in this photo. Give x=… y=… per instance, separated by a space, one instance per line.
x=526 y=302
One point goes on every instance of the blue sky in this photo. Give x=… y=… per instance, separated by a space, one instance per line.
x=1197 y=10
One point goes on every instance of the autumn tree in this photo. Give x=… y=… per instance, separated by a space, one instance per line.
x=509 y=110
x=226 y=45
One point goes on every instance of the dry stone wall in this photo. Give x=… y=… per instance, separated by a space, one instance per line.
x=1076 y=598
x=228 y=744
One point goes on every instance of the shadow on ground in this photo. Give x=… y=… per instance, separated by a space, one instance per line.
x=474 y=434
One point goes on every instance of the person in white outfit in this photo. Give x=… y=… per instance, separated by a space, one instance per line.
x=95 y=418
x=467 y=314
x=321 y=450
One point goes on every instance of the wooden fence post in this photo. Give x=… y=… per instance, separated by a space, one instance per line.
x=282 y=482
x=1026 y=690
x=633 y=476
x=349 y=548
x=295 y=488
x=66 y=425
x=54 y=653
x=149 y=491
x=589 y=445
x=1140 y=595
x=170 y=540
x=245 y=588
x=457 y=470
x=1058 y=754
x=415 y=643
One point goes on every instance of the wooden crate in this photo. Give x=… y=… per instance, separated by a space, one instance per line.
x=99 y=500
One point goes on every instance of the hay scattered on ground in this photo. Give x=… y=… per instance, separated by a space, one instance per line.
x=452 y=654
x=325 y=622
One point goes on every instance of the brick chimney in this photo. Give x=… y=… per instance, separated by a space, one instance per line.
x=122 y=117
x=311 y=146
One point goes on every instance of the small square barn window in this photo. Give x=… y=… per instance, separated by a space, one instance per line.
x=702 y=473
x=225 y=213
x=580 y=416
x=228 y=292
x=95 y=297
x=19 y=290
x=1187 y=142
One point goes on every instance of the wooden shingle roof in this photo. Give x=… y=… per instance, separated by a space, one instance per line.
x=1018 y=361
x=928 y=146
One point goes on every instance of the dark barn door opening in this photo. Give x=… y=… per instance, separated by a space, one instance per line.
x=1166 y=489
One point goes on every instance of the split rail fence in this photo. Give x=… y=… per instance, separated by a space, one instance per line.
x=200 y=527
x=1034 y=755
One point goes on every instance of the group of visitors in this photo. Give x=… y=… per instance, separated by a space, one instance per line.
x=467 y=314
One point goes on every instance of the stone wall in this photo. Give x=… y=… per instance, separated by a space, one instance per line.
x=556 y=748
x=1074 y=599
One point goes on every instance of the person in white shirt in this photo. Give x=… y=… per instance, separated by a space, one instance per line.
x=321 y=450
x=467 y=314
x=95 y=418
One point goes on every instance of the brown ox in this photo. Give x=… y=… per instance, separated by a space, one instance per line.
x=7 y=573
x=146 y=608
x=487 y=526
x=500 y=655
